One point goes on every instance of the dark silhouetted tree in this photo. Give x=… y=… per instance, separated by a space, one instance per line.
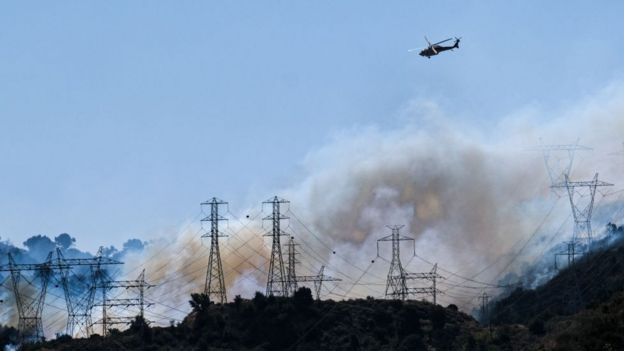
x=259 y=300
x=200 y=302
x=303 y=297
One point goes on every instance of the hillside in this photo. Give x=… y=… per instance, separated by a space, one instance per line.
x=600 y=327
x=299 y=323
x=592 y=280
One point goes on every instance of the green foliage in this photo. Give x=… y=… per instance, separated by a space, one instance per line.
x=200 y=302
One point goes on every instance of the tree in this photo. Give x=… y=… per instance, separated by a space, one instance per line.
x=259 y=300
x=238 y=301
x=64 y=241
x=200 y=302
x=303 y=297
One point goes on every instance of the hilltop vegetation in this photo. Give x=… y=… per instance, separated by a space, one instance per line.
x=298 y=323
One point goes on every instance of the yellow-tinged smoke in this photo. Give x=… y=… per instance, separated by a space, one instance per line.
x=470 y=199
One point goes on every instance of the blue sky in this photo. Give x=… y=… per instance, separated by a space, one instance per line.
x=118 y=117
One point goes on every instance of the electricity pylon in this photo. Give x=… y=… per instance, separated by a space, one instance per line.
x=320 y=278
x=396 y=285
x=431 y=276
x=215 y=282
x=292 y=279
x=30 y=308
x=276 y=281
x=582 y=212
x=485 y=313
x=139 y=284
x=558 y=160
x=291 y=270
x=79 y=301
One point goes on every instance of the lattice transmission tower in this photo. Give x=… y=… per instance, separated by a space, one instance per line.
x=291 y=267
x=108 y=304
x=581 y=212
x=79 y=290
x=559 y=159
x=485 y=308
x=276 y=280
x=319 y=279
x=215 y=281
x=29 y=306
x=292 y=279
x=431 y=276
x=396 y=283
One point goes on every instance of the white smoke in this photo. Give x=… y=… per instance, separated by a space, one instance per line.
x=470 y=198
x=469 y=195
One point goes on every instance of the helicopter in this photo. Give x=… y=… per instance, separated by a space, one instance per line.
x=436 y=48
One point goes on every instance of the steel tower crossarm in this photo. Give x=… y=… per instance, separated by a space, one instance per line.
x=582 y=214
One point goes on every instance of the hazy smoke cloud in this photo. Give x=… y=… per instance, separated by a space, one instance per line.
x=470 y=196
x=470 y=199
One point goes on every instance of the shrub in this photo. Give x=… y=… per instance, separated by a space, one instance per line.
x=238 y=301
x=200 y=302
x=259 y=300
x=303 y=297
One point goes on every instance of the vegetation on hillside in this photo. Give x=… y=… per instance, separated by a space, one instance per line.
x=298 y=323
x=591 y=280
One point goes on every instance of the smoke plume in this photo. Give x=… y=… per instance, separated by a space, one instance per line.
x=475 y=198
